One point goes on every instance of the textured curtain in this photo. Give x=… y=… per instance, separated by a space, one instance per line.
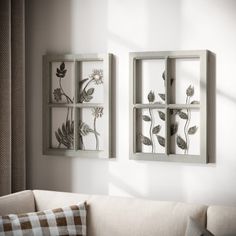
x=12 y=96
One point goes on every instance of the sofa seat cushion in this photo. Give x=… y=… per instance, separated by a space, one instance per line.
x=221 y=221
x=136 y=217
x=119 y=216
x=69 y=221
x=17 y=203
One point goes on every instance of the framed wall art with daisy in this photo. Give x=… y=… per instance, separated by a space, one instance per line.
x=77 y=105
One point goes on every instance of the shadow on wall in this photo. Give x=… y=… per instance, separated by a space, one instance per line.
x=113 y=106
x=51 y=29
x=212 y=108
x=48 y=31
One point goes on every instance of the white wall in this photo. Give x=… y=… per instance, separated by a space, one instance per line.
x=121 y=26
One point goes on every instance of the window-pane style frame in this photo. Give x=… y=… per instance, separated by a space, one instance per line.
x=77 y=59
x=202 y=56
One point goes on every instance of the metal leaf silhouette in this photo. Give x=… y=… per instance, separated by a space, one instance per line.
x=146 y=118
x=70 y=127
x=190 y=91
x=151 y=96
x=181 y=143
x=183 y=115
x=156 y=129
x=65 y=134
x=195 y=102
x=84 y=97
x=64 y=129
x=62 y=66
x=174 y=111
x=83 y=81
x=163 y=75
x=90 y=91
x=161 y=140
x=61 y=72
x=173 y=128
x=162 y=96
x=59 y=132
x=61 y=75
x=162 y=115
x=145 y=140
x=88 y=98
x=84 y=129
x=192 y=130
x=58 y=137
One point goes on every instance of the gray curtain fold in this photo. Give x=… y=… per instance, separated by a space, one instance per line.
x=12 y=96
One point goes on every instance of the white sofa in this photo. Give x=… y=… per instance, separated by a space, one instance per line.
x=118 y=216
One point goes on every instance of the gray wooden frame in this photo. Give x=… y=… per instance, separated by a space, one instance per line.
x=202 y=55
x=47 y=105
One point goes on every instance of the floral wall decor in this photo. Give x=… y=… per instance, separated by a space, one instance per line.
x=76 y=105
x=168 y=106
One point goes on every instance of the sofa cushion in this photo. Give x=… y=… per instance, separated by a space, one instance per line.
x=51 y=199
x=61 y=221
x=221 y=221
x=17 y=203
x=118 y=216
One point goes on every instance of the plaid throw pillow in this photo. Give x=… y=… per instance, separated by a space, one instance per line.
x=62 y=221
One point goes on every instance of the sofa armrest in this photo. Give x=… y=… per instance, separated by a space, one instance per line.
x=221 y=220
x=20 y=202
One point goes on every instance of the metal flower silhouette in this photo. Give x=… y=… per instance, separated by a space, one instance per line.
x=86 y=93
x=97 y=112
x=97 y=76
x=57 y=94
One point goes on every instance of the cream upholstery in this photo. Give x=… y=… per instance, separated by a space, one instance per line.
x=51 y=199
x=20 y=202
x=221 y=221
x=121 y=216
x=118 y=216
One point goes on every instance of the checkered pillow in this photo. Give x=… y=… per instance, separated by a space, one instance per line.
x=62 y=221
